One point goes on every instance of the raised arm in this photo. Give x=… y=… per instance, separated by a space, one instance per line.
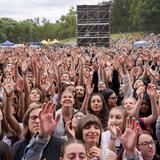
x=9 y=89
x=151 y=90
x=127 y=87
x=48 y=123
x=89 y=89
x=21 y=106
x=129 y=139
x=140 y=94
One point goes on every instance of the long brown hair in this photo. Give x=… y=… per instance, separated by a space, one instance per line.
x=5 y=152
x=26 y=132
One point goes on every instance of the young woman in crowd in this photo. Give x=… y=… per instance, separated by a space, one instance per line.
x=66 y=112
x=133 y=107
x=89 y=131
x=39 y=123
x=97 y=107
x=110 y=98
x=117 y=118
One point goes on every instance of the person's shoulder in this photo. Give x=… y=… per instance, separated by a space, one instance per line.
x=56 y=142
x=3 y=145
x=58 y=139
x=20 y=143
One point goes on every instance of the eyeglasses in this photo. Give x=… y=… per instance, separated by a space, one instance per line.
x=147 y=143
x=33 y=118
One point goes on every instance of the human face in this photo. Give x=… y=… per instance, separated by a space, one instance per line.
x=146 y=146
x=67 y=99
x=96 y=103
x=34 y=96
x=129 y=105
x=144 y=106
x=116 y=118
x=112 y=100
x=138 y=83
x=139 y=61
x=139 y=51
x=101 y=86
x=79 y=91
x=65 y=78
x=8 y=72
x=75 y=152
x=91 y=134
x=76 y=118
x=33 y=121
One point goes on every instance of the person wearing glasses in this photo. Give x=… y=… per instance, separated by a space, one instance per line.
x=39 y=142
x=147 y=146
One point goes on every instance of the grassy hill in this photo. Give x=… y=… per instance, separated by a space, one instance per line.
x=112 y=36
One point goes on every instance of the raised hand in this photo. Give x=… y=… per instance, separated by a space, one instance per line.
x=129 y=137
x=47 y=121
x=121 y=59
x=140 y=92
x=95 y=152
x=20 y=85
x=151 y=90
x=25 y=65
x=113 y=129
x=8 y=86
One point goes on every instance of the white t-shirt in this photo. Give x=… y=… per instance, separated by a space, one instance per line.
x=105 y=141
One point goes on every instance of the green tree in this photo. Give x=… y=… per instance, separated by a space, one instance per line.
x=145 y=15
x=120 y=17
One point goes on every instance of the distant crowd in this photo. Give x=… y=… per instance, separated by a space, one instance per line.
x=82 y=103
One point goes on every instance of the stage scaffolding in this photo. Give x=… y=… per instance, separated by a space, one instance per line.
x=93 y=25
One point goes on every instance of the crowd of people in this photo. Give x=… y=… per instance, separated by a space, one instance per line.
x=84 y=103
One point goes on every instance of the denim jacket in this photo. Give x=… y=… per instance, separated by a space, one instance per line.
x=35 y=148
x=41 y=148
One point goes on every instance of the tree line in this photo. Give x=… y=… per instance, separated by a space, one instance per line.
x=135 y=15
x=125 y=16
x=37 y=29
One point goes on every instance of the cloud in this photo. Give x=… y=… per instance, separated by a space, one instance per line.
x=50 y=9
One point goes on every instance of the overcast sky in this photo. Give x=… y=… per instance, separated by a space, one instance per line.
x=50 y=9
